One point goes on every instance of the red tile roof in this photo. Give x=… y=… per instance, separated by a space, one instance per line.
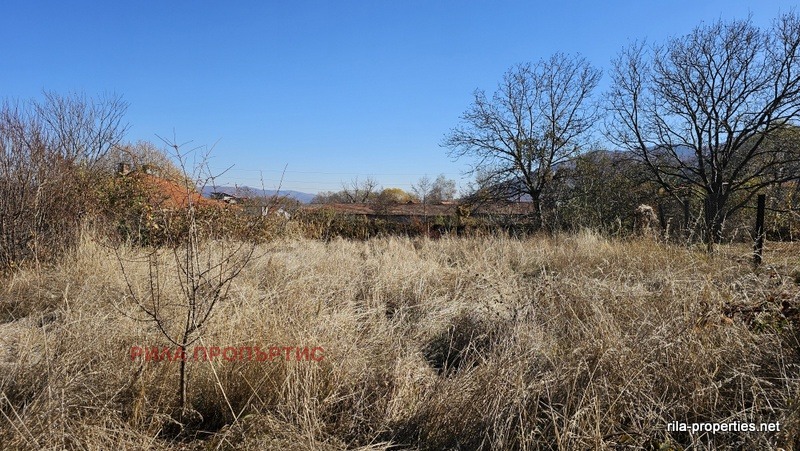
x=168 y=194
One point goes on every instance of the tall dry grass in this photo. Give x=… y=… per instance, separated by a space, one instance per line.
x=566 y=342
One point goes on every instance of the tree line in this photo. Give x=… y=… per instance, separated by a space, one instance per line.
x=697 y=124
x=368 y=191
x=707 y=119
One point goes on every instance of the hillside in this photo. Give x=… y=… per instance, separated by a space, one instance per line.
x=297 y=195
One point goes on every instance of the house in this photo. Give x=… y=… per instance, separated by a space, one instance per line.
x=227 y=198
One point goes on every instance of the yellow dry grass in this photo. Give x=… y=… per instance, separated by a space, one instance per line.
x=565 y=342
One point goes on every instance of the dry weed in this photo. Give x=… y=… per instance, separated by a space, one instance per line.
x=567 y=342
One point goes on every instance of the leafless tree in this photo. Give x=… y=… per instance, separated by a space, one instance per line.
x=354 y=192
x=699 y=109
x=434 y=191
x=540 y=116
x=443 y=189
x=422 y=189
x=82 y=129
x=360 y=192
x=47 y=150
x=204 y=269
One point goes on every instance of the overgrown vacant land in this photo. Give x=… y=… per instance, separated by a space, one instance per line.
x=565 y=342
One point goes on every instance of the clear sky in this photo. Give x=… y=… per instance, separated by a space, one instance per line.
x=331 y=90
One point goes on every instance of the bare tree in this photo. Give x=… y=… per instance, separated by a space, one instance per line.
x=47 y=150
x=360 y=192
x=354 y=192
x=204 y=270
x=540 y=116
x=434 y=191
x=422 y=189
x=698 y=111
x=82 y=129
x=443 y=189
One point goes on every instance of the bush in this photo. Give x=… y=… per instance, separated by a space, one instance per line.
x=48 y=180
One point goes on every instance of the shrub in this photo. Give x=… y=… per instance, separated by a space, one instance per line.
x=48 y=151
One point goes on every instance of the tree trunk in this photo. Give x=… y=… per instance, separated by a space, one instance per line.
x=182 y=382
x=537 y=210
x=714 y=218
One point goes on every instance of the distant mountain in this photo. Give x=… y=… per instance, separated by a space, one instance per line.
x=304 y=198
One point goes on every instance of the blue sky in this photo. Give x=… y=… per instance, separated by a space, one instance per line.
x=331 y=90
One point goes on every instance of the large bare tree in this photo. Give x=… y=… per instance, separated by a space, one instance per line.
x=700 y=109
x=540 y=115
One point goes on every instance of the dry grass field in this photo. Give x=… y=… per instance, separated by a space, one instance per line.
x=566 y=342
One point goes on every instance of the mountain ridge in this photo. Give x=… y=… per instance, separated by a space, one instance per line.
x=300 y=196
